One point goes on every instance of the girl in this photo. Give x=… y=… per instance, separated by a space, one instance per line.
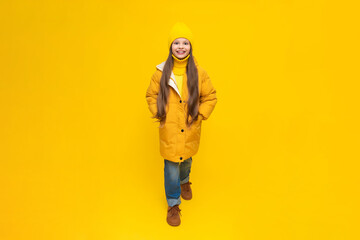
x=180 y=96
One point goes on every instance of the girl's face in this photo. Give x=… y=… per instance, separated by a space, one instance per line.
x=180 y=47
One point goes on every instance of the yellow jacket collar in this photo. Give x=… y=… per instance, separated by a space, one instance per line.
x=172 y=81
x=161 y=65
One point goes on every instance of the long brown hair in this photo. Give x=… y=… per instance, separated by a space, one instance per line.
x=192 y=84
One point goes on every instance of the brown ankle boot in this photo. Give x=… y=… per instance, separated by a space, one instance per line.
x=186 y=192
x=173 y=217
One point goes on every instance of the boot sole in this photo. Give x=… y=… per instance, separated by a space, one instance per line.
x=173 y=225
x=186 y=198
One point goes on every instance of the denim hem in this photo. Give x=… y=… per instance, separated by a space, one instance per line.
x=172 y=202
x=185 y=180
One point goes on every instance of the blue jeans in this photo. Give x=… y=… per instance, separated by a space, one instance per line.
x=175 y=174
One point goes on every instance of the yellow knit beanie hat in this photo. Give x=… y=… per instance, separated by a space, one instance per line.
x=180 y=30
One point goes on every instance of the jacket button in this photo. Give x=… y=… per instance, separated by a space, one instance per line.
x=182 y=130
x=180 y=158
x=180 y=101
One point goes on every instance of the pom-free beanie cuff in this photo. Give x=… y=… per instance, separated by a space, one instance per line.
x=180 y=30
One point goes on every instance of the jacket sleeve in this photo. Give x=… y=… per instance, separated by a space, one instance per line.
x=152 y=93
x=207 y=97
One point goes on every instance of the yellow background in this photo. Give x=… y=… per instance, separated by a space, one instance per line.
x=278 y=157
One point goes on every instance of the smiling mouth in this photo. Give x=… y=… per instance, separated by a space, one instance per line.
x=180 y=52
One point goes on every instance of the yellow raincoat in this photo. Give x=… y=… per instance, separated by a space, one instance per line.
x=177 y=141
